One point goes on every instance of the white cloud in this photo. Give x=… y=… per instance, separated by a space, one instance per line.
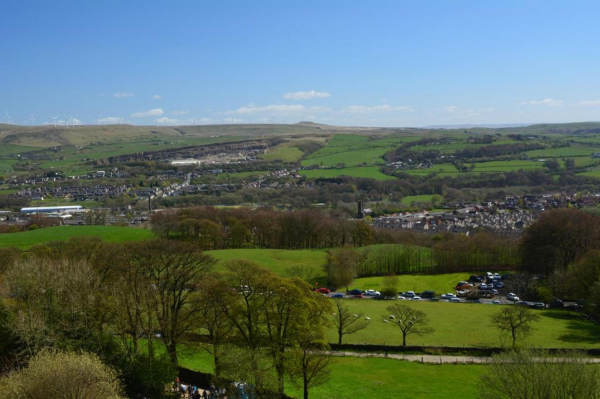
x=156 y=97
x=450 y=108
x=109 y=119
x=124 y=94
x=362 y=109
x=588 y=103
x=179 y=113
x=255 y=109
x=306 y=95
x=549 y=102
x=168 y=121
x=147 y=114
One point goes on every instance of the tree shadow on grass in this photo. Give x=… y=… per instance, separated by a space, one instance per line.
x=581 y=330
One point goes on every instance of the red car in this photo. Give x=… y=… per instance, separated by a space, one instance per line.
x=323 y=290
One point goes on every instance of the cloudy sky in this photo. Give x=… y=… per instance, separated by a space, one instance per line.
x=376 y=63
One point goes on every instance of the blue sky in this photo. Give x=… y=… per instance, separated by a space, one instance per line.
x=376 y=63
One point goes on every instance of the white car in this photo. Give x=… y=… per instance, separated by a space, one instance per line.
x=497 y=275
x=448 y=296
x=455 y=300
x=401 y=297
x=416 y=298
x=409 y=294
x=372 y=293
x=513 y=297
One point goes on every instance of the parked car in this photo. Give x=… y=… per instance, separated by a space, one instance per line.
x=455 y=300
x=337 y=296
x=416 y=298
x=522 y=303
x=511 y=295
x=402 y=298
x=427 y=294
x=476 y=279
x=496 y=302
x=355 y=292
x=323 y=290
x=557 y=303
x=371 y=293
x=483 y=286
x=359 y=296
x=538 y=305
x=409 y=294
x=499 y=284
x=448 y=296
x=497 y=275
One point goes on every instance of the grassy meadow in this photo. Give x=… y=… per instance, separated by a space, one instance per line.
x=467 y=324
x=26 y=239
x=369 y=172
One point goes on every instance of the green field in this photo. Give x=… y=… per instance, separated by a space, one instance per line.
x=386 y=378
x=276 y=260
x=283 y=152
x=465 y=324
x=440 y=283
x=416 y=198
x=26 y=239
x=369 y=172
x=506 y=166
x=562 y=152
x=351 y=150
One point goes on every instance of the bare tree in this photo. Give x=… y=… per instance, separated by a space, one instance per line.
x=515 y=320
x=409 y=321
x=173 y=269
x=345 y=322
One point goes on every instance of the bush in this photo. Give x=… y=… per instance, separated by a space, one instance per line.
x=54 y=374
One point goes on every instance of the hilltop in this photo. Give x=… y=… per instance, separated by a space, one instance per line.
x=50 y=136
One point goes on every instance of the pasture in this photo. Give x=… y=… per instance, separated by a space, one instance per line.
x=368 y=172
x=562 y=152
x=351 y=150
x=440 y=283
x=417 y=198
x=283 y=152
x=276 y=260
x=26 y=239
x=469 y=325
x=348 y=378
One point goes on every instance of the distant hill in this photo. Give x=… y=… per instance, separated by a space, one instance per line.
x=50 y=136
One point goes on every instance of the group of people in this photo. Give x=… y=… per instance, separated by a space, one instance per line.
x=193 y=392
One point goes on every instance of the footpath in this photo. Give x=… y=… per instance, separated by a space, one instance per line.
x=434 y=359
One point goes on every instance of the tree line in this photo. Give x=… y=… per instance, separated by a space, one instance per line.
x=136 y=306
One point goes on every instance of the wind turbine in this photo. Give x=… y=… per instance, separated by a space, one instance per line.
x=8 y=118
x=54 y=118
x=120 y=121
x=97 y=120
x=156 y=120
x=66 y=121
x=32 y=120
x=72 y=121
x=194 y=121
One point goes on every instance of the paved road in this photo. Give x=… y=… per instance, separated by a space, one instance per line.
x=429 y=358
